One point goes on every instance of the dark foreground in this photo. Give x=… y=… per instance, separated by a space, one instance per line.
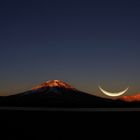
x=35 y=109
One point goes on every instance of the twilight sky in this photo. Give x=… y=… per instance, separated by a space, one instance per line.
x=82 y=42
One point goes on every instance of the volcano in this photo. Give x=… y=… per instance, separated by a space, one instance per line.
x=56 y=93
x=53 y=93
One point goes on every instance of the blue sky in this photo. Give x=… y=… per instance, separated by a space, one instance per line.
x=84 y=43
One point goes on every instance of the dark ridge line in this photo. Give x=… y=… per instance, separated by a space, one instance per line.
x=70 y=109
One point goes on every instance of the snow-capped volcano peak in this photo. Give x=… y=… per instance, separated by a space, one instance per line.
x=53 y=83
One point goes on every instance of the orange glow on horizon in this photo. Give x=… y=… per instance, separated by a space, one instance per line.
x=131 y=98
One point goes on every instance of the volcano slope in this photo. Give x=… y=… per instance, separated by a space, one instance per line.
x=56 y=93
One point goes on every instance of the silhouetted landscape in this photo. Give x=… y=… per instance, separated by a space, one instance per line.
x=59 y=94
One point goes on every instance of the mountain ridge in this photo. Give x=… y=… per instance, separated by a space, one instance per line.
x=56 y=93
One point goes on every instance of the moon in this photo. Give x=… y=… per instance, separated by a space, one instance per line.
x=111 y=94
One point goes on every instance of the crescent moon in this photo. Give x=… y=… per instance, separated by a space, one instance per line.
x=113 y=94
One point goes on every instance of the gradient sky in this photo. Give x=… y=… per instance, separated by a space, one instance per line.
x=82 y=42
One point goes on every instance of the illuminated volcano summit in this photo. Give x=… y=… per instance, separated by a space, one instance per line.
x=54 y=84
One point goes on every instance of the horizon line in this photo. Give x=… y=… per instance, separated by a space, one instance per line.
x=70 y=109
